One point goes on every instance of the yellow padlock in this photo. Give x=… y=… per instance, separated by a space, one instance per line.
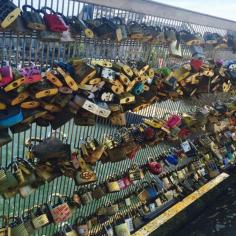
x=15 y=84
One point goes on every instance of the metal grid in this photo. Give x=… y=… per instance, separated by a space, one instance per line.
x=20 y=50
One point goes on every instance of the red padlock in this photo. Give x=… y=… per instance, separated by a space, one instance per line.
x=154 y=167
x=53 y=20
x=6 y=75
x=196 y=64
x=173 y=121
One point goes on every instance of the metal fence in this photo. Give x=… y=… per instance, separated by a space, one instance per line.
x=20 y=50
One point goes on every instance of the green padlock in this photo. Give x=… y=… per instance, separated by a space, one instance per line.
x=8 y=183
x=19 y=228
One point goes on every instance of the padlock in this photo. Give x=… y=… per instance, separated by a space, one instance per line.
x=105 y=28
x=9 y=13
x=108 y=74
x=122 y=68
x=138 y=88
x=190 y=38
x=175 y=49
x=135 y=30
x=111 y=208
x=98 y=191
x=52 y=20
x=108 y=229
x=126 y=98
x=154 y=167
x=121 y=227
x=210 y=38
x=18 y=228
x=197 y=52
x=135 y=173
x=69 y=231
x=118 y=118
x=40 y=218
x=121 y=29
x=112 y=184
x=32 y=18
x=85 y=195
x=79 y=26
x=84 y=72
x=116 y=154
x=148 y=32
x=170 y=34
x=6 y=75
x=61 y=211
x=68 y=79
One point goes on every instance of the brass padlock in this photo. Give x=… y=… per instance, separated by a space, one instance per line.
x=40 y=218
x=112 y=184
x=126 y=98
x=69 y=231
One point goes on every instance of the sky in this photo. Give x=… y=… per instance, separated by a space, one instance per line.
x=221 y=8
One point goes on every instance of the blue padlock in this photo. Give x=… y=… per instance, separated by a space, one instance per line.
x=172 y=159
x=10 y=116
x=138 y=88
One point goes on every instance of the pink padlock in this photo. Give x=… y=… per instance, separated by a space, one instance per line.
x=173 y=121
x=6 y=74
x=122 y=184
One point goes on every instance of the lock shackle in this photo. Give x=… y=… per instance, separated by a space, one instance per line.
x=117 y=20
x=183 y=32
x=29 y=142
x=169 y=28
x=44 y=10
x=66 y=20
x=24 y=8
x=56 y=195
x=61 y=134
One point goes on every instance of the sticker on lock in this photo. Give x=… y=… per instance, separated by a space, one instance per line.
x=46 y=93
x=15 y=84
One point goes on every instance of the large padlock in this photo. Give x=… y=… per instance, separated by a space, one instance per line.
x=79 y=26
x=40 y=218
x=84 y=72
x=61 y=211
x=121 y=29
x=33 y=19
x=53 y=21
x=8 y=13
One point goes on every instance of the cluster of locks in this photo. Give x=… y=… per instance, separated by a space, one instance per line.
x=54 y=26
x=173 y=174
x=83 y=91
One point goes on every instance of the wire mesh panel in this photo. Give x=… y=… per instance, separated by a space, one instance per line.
x=21 y=50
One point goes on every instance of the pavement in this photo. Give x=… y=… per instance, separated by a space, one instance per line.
x=218 y=219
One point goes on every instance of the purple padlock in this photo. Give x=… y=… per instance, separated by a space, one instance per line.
x=6 y=74
x=31 y=74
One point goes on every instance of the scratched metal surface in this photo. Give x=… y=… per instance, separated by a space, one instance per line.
x=20 y=50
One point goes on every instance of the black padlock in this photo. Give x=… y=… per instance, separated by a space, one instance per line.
x=33 y=19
